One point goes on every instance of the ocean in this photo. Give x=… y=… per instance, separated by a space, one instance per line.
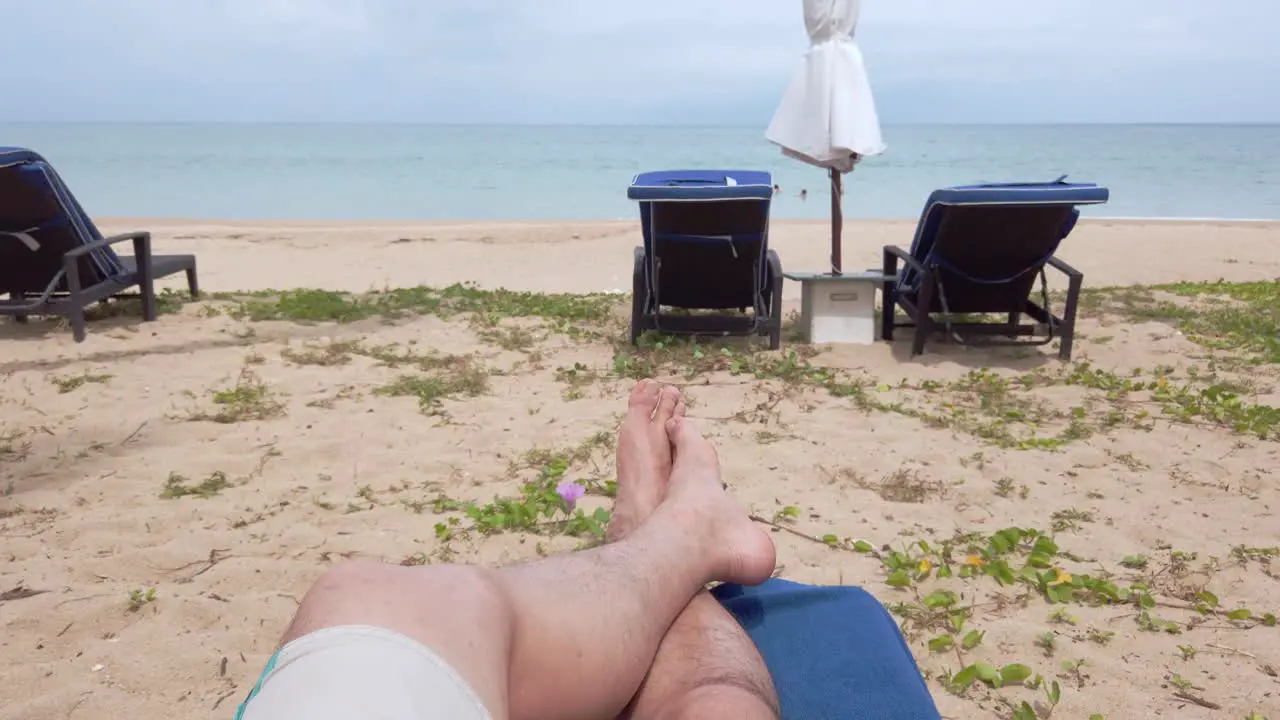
x=408 y=172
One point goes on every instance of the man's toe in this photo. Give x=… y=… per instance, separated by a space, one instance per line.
x=645 y=396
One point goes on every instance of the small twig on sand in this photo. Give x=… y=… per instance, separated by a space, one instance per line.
x=79 y=599
x=20 y=593
x=222 y=697
x=65 y=629
x=133 y=435
x=83 y=697
x=215 y=556
x=1232 y=651
x=1196 y=700
x=793 y=531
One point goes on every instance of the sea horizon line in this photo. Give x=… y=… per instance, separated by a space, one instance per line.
x=632 y=125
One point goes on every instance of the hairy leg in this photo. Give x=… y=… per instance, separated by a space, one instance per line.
x=571 y=636
x=706 y=666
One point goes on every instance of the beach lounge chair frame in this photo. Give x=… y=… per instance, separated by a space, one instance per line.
x=58 y=263
x=979 y=250
x=680 y=192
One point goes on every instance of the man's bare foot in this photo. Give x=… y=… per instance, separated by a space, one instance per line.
x=747 y=553
x=644 y=455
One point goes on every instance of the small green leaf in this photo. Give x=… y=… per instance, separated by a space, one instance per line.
x=862 y=546
x=899 y=578
x=1061 y=593
x=831 y=540
x=1014 y=674
x=1241 y=614
x=1269 y=620
x=1046 y=546
x=1054 y=692
x=987 y=673
x=1039 y=560
x=940 y=599
x=964 y=679
x=1024 y=712
x=1207 y=598
x=973 y=639
x=942 y=643
x=1146 y=601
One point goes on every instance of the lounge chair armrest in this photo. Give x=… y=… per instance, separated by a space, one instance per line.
x=905 y=256
x=1064 y=268
x=141 y=244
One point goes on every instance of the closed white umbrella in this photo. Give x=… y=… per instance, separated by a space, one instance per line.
x=828 y=116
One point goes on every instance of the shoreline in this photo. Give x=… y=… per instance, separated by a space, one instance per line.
x=117 y=220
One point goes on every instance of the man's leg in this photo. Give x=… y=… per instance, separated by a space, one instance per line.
x=706 y=666
x=567 y=637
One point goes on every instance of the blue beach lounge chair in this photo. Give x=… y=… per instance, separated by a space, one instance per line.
x=834 y=652
x=53 y=261
x=706 y=247
x=979 y=249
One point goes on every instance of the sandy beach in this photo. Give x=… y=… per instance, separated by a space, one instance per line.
x=168 y=491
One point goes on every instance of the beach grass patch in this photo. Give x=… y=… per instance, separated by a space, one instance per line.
x=577 y=378
x=545 y=504
x=139 y=599
x=179 y=486
x=446 y=376
x=248 y=400
x=326 y=355
x=904 y=486
x=71 y=383
x=1236 y=317
x=563 y=311
x=1249 y=323
x=168 y=302
x=512 y=338
x=13 y=446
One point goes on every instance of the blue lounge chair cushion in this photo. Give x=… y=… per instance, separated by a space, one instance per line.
x=833 y=652
x=693 y=185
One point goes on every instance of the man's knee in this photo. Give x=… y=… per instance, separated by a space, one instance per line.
x=412 y=601
x=460 y=613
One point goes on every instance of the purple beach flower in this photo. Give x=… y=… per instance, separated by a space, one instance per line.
x=571 y=493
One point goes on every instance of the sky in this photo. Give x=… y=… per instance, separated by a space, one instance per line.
x=704 y=62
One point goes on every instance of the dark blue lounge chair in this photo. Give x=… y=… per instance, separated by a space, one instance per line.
x=53 y=261
x=834 y=652
x=979 y=249
x=706 y=247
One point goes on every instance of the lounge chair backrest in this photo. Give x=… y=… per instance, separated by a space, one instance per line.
x=40 y=221
x=706 y=236
x=987 y=244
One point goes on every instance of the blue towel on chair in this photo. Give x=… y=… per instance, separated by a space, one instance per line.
x=834 y=652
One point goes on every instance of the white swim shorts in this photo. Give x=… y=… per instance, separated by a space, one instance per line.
x=351 y=672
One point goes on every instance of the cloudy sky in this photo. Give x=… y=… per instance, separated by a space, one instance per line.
x=629 y=61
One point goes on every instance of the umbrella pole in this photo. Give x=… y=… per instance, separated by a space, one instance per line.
x=837 y=221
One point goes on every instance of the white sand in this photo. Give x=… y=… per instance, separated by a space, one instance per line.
x=83 y=518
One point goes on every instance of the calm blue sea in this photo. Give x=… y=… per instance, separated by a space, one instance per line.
x=326 y=172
